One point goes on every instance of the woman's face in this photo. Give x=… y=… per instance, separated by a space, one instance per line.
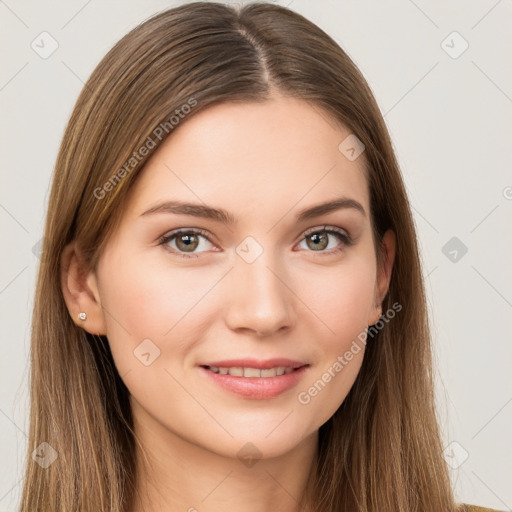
x=268 y=289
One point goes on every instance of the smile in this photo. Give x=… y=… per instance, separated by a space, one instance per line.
x=239 y=371
x=256 y=380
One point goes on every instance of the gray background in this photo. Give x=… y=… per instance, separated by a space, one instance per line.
x=449 y=114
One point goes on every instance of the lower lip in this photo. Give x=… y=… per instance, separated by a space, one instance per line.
x=257 y=388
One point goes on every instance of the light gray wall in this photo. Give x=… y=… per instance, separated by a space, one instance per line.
x=450 y=119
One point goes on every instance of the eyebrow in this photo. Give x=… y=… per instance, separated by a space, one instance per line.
x=225 y=217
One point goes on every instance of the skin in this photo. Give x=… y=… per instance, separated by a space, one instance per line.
x=263 y=162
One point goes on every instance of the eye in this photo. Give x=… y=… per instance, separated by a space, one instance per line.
x=186 y=240
x=320 y=239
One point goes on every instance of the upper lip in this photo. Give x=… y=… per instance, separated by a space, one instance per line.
x=255 y=363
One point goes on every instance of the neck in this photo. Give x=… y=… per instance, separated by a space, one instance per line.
x=177 y=475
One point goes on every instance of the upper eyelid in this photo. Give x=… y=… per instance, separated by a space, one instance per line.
x=325 y=227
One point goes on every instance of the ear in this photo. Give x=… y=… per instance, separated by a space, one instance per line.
x=384 y=269
x=80 y=290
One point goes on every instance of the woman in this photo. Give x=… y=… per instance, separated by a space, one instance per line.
x=190 y=350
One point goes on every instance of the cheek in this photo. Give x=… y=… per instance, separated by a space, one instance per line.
x=146 y=300
x=343 y=305
x=342 y=297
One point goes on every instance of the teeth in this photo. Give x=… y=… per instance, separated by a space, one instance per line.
x=237 y=371
x=251 y=372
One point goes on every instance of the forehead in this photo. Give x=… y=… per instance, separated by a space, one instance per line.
x=256 y=157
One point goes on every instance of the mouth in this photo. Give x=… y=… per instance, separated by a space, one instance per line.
x=253 y=379
x=251 y=373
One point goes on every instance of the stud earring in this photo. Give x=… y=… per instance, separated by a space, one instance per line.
x=82 y=316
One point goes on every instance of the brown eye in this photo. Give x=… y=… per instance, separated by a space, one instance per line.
x=319 y=239
x=186 y=242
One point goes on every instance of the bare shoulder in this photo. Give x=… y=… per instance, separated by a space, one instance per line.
x=474 y=508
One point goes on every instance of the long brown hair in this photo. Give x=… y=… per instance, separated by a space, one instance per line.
x=381 y=450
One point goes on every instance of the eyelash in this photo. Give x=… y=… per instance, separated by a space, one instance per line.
x=344 y=236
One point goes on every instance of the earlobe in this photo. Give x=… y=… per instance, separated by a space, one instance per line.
x=80 y=291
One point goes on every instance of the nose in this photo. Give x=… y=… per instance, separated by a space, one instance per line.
x=261 y=302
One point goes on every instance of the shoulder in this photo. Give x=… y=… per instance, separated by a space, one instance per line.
x=474 y=508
